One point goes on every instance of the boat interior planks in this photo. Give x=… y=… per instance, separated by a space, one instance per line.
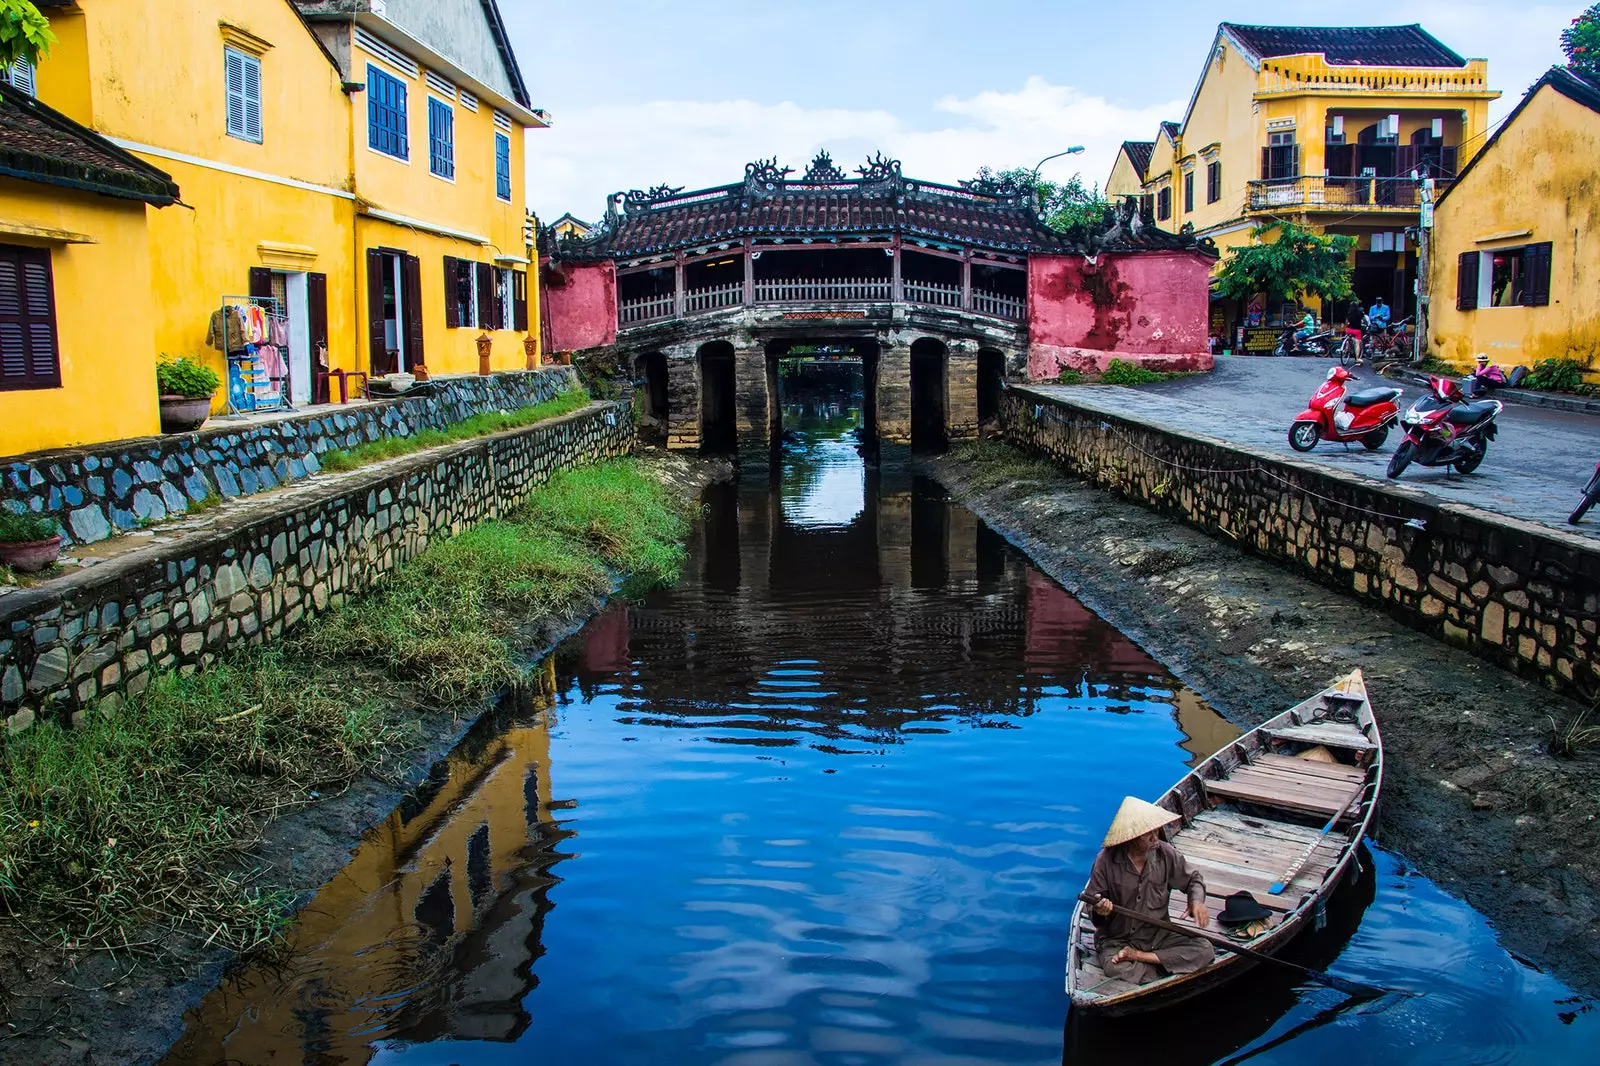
x=1249 y=813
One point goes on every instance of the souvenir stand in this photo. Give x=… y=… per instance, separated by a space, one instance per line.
x=254 y=333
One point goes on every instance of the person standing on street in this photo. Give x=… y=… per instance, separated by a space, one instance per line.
x=1378 y=316
x=1354 y=323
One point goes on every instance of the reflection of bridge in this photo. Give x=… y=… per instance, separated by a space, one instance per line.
x=943 y=291
x=453 y=882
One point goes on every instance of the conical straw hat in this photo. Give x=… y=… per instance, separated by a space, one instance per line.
x=1135 y=818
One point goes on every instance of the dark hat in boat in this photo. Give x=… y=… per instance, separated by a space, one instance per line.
x=1240 y=908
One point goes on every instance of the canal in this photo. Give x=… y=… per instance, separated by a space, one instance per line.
x=828 y=800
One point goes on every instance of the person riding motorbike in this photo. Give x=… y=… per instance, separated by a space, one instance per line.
x=1308 y=326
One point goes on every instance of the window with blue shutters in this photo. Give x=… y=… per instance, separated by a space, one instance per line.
x=441 y=139
x=502 y=166
x=386 y=114
x=243 y=78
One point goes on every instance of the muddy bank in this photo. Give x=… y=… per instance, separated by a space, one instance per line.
x=1473 y=796
x=62 y=1006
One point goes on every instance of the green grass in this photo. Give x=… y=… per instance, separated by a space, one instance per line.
x=211 y=501
x=1071 y=377
x=573 y=399
x=1121 y=372
x=991 y=465
x=142 y=818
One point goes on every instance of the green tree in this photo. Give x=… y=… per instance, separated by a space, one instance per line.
x=24 y=32
x=1581 y=42
x=1062 y=206
x=1299 y=263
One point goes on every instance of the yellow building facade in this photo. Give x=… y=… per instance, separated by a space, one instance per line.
x=337 y=169
x=1330 y=128
x=1514 y=272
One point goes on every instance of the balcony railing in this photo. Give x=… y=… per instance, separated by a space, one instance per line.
x=823 y=290
x=819 y=290
x=1340 y=193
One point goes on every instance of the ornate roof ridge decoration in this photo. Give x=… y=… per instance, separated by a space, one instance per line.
x=637 y=198
x=823 y=172
x=880 y=168
x=765 y=175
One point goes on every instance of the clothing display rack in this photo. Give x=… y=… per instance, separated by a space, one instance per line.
x=253 y=331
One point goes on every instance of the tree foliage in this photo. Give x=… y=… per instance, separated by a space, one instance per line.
x=1297 y=264
x=1062 y=206
x=24 y=32
x=1581 y=42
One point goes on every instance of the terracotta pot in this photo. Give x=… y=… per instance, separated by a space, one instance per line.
x=31 y=556
x=184 y=414
x=530 y=345
x=485 y=347
x=420 y=371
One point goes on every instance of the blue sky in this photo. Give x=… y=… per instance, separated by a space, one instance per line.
x=687 y=92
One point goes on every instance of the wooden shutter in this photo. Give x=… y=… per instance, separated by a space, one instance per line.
x=243 y=81
x=1467 y=282
x=519 y=297
x=411 y=282
x=29 y=358
x=452 y=293
x=317 y=319
x=1448 y=158
x=261 y=283
x=1536 y=275
x=377 y=349
x=485 y=296
x=1266 y=164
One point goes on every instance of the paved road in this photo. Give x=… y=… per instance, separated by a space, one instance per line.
x=1534 y=470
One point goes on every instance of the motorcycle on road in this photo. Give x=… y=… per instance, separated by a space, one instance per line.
x=1337 y=414
x=1290 y=344
x=1444 y=429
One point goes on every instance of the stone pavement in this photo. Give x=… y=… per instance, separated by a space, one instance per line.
x=1535 y=470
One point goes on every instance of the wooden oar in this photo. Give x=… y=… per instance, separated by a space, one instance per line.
x=1278 y=887
x=1349 y=988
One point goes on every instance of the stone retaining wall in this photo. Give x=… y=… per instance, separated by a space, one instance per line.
x=1523 y=595
x=98 y=635
x=95 y=492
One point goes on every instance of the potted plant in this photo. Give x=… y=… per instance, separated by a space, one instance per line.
x=186 y=388
x=28 y=542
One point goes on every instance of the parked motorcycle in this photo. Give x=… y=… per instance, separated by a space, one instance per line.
x=1591 y=496
x=1339 y=415
x=1444 y=429
x=1290 y=344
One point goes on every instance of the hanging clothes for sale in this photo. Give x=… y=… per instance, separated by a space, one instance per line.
x=258 y=325
x=227 y=332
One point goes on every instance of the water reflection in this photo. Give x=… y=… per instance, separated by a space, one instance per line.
x=829 y=800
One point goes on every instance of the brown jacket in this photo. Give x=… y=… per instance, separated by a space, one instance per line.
x=1114 y=877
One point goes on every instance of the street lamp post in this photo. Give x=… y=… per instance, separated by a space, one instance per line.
x=1074 y=150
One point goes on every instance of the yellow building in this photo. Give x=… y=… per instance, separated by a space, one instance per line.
x=1514 y=272
x=337 y=169
x=1328 y=127
x=570 y=226
x=76 y=323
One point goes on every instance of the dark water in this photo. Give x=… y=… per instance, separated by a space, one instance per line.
x=828 y=801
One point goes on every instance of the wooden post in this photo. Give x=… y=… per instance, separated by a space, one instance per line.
x=749 y=274
x=966 y=280
x=677 y=286
x=898 y=290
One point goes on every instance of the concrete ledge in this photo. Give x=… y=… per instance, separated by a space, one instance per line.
x=1090 y=361
x=91 y=638
x=1519 y=594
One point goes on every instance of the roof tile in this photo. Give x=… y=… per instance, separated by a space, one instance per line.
x=1386 y=46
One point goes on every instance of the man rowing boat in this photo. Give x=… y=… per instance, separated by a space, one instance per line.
x=1138 y=870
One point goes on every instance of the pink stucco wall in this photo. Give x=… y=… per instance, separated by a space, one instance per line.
x=579 y=304
x=1148 y=308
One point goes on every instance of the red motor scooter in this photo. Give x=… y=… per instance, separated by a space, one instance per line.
x=1342 y=416
x=1443 y=429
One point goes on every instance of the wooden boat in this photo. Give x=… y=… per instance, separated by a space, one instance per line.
x=1248 y=814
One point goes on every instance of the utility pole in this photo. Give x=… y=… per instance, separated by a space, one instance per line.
x=1424 y=257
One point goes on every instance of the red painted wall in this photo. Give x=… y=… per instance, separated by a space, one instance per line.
x=579 y=305
x=1148 y=308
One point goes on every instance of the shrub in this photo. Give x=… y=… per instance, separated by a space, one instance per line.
x=1122 y=373
x=1556 y=375
x=181 y=377
x=25 y=528
x=1070 y=377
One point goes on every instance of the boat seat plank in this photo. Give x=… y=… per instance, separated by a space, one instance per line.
x=1222 y=820
x=1334 y=771
x=1333 y=736
x=1288 y=773
x=1314 y=788
x=1274 y=795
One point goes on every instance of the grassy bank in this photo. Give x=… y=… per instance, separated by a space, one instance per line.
x=573 y=399
x=140 y=821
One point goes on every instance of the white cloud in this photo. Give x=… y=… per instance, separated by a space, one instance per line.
x=591 y=152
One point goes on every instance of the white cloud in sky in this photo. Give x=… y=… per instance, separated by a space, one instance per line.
x=591 y=152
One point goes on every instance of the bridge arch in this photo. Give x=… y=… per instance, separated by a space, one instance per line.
x=991 y=383
x=650 y=379
x=930 y=418
x=719 y=418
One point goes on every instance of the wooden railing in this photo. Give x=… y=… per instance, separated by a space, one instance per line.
x=823 y=290
x=931 y=292
x=709 y=299
x=1377 y=194
x=646 y=310
x=992 y=303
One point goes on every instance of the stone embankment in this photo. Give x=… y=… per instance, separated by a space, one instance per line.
x=1522 y=595
x=96 y=492
x=94 y=637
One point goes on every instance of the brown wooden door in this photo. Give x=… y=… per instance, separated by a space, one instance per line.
x=380 y=359
x=411 y=284
x=317 y=314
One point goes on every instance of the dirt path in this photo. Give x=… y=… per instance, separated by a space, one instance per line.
x=59 y=1006
x=1473 y=796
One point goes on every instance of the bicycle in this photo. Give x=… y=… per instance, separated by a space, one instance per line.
x=1347 y=352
